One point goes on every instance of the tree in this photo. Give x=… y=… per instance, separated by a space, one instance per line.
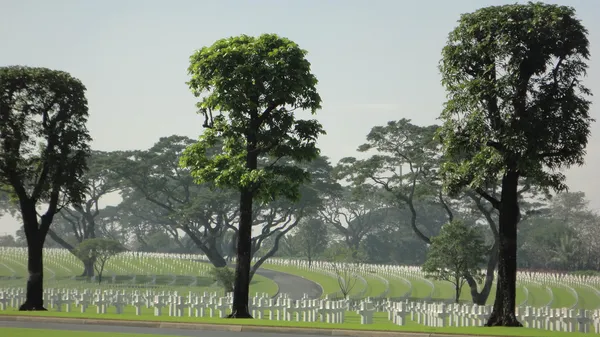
x=80 y=218
x=562 y=236
x=43 y=151
x=353 y=212
x=98 y=251
x=256 y=84
x=312 y=238
x=8 y=240
x=223 y=276
x=405 y=153
x=160 y=192
x=457 y=251
x=515 y=109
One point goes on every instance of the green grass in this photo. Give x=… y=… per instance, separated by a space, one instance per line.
x=398 y=287
x=24 y=332
x=375 y=286
x=60 y=268
x=352 y=323
x=62 y=275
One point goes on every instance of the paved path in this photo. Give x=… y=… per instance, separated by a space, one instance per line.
x=293 y=285
x=138 y=330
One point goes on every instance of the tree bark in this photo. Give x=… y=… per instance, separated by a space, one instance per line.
x=88 y=269
x=88 y=266
x=35 y=284
x=35 y=235
x=480 y=298
x=503 y=313
x=241 y=290
x=215 y=258
x=456 y=294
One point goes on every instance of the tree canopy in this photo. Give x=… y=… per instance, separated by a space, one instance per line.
x=516 y=109
x=43 y=153
x=255 y=84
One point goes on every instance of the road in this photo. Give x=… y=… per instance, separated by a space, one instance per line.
x=294 y=286
x=138 y=330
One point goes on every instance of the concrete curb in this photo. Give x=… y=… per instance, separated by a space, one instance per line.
x=227 y=327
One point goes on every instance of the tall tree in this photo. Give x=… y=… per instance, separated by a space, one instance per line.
x=43 y=151
x=405 y=153
x=158 y=191
x=353 y=212
x=256 y=84
x=516 y=108
x=311 y=238
x=81 y=217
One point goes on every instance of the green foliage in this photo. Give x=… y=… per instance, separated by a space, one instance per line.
x=562 y=236
x=515 y=98
x=339 y=253
x=224 y=276
x=255 y=84
x=312 y=238
x=43 y=135
x=405 y=152
x=457 y=251
x=98 y=251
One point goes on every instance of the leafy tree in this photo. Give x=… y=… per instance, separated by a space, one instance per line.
x=8 y=240
x=562 y=236
x=312 y=238
x=278 y=217
x=224 y=276
x=255 y=83
x=43 y=151
x=98 y=251
x=158 y=192
x=405 y=153
x=353 y=213
x=80 y=218
x=406 y=165
x=457 y=251
x=515 y=109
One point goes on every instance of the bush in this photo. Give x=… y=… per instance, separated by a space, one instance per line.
x=224 y=276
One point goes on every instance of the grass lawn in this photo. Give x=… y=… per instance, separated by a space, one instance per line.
x=352 y=323
x=375 y=286
x=18 y=332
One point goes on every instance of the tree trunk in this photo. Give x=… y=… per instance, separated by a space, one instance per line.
x=503 y=313
x=88 y=268
x=480 y=298
x=215 y=258
x=456 y=294
x=241 y=290
x=35 y=284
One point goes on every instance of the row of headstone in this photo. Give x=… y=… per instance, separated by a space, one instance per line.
x=306 y=310
x=182 y=264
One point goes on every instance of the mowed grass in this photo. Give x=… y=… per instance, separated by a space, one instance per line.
x=25 y=332
x=352 y=322
x=66 y=277
x=179 y=275
x=375 y=286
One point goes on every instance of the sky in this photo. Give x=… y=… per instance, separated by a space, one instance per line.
x=376 y=60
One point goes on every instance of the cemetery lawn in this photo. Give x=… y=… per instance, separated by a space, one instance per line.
x=23 y=332
x=381 y=323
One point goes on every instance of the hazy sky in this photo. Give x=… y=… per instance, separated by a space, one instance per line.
x=375 y=60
